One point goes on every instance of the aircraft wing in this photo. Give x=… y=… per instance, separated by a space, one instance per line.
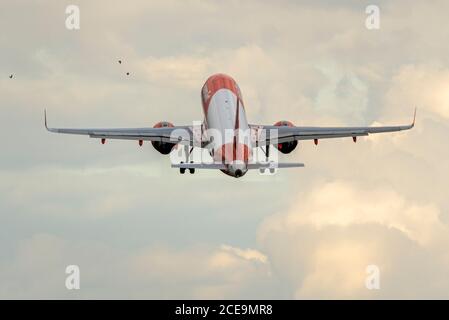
x=288 y=134
x=178 y=134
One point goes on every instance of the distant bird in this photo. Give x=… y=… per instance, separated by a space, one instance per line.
x=127 y=73
x=120 y=61
x=10 y=77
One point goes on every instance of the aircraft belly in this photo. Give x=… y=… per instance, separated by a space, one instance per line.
x=221 y=119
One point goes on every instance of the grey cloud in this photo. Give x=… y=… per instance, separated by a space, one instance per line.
x=313 y=63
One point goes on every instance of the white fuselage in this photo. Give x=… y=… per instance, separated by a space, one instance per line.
x=227 y=126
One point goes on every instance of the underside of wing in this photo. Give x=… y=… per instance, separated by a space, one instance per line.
x=176 y=134
x=280 y=134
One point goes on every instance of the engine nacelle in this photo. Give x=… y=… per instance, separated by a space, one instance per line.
x=163 y=147
x=286 y=147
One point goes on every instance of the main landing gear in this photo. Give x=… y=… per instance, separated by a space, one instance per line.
x=187 y=153
x=183 y=170
x=267 y=158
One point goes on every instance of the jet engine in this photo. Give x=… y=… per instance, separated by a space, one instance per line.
x=163 y=147
x=285 y=147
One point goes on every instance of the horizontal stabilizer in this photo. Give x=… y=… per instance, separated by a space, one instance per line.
x=216 y=166
x=273 y=165
x=251 y=166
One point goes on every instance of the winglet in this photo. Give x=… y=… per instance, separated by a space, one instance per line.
x=45 y=118
x=414 y=118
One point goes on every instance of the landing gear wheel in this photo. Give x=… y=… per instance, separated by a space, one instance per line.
x=262 y=170
x=192 y=170
x=182 y=170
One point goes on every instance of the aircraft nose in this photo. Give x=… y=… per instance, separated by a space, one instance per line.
x=238 y=169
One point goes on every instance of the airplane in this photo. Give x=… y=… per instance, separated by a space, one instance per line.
x=225 y=116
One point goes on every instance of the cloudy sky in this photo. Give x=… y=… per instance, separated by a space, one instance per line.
x=137 y=229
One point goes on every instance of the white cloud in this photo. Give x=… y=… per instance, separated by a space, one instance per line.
x=342 y=204
x=324 y=242
x=201 y=272
x=425 y=86
x=249 y=254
